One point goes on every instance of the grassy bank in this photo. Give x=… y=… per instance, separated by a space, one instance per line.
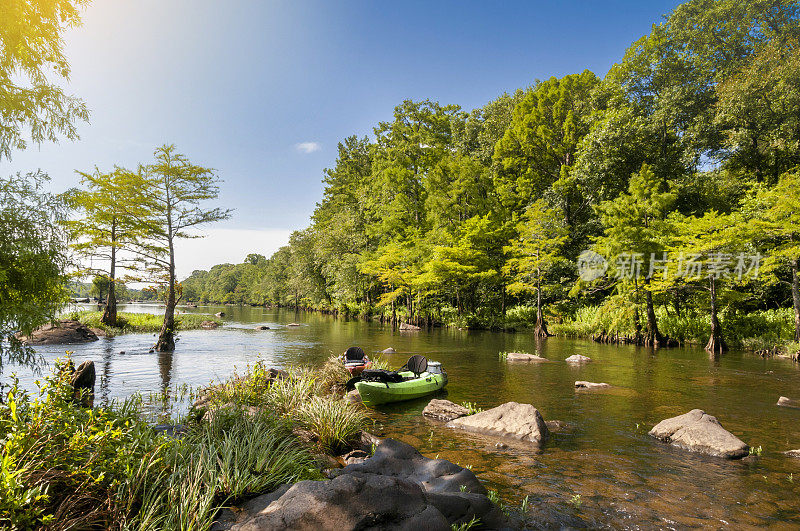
x=140 y=322
x=757 y=330
x=106 y=468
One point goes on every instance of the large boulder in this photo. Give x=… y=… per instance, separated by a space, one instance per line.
x=398 y=459
x=395 y=489
x=522 y=356
x=698 y=431
x=591 y=385
x=444 y=410
x=518 y=421
x=63 y=332
x=788 y=402
x=578 y=358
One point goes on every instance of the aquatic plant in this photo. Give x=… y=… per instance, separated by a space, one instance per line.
x=139 y=322
x=471 y=408
x=465 y=526
x=576 y=501
x=333 y=422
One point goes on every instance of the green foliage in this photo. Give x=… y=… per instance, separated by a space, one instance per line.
x=139 y=322
x=333 y=422
x=32 y=33
x=33 y=261
x=471 y=408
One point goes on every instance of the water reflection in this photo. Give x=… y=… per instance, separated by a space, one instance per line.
x=624 y=478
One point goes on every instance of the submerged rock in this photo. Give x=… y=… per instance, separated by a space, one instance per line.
x=396 y=488
x=293 y=324
x=788 y=402
x=209 y=325
x=518 y=421
x=408 y=327
x=698 y=431
x=578 y=358
x=591 y=385
x=444 y=410
x=62 y=332
x=262 y=328
x=521 y=356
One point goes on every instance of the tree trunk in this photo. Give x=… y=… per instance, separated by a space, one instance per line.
x=541 y=326
x=166 y=339
x=796 y=300
x=110 y=313
x=653 y=337
x=715 y=344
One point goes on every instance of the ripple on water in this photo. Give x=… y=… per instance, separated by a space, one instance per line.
x=624 y=478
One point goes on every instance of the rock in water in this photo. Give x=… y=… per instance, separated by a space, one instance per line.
x=61 y=333
x=514 y=420
x=408 y=327
x=444 y=410
x=788 y=402
x=83 y=381
x=293 y=324
x=209 y=325
x=591 y=385
x=219 y=314
x=792 y=453
x=389 y=350
x=697 y=431
x=521 y=356
x=578 y=358
x=397 y=488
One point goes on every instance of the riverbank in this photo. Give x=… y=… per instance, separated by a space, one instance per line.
x=108 y=468
x=131 y=323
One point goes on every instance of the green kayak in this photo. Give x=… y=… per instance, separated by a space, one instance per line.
x=374 y=393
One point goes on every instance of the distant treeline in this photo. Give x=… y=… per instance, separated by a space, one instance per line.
x=689 y=146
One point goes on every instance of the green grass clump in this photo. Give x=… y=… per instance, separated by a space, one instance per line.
x=140 y=322
x=333 y=422
x=471 y=408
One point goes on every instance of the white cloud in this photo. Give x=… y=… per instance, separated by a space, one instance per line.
x=308 y=147
x=222 y=246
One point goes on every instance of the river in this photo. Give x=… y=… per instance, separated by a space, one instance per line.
x=605 y=471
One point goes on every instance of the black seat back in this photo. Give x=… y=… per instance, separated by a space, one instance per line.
x=354 y=354
x=417 y=364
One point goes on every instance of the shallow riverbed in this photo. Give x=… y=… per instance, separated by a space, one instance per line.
x=605 y=471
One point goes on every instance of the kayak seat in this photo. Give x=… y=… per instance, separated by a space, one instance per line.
x=354 y=354
x=417 y=364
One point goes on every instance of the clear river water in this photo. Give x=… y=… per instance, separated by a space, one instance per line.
x=603 y=471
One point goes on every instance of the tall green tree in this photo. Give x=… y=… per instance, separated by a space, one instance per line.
x=171 y=195
x=539 y=149
x=109 y=225
x=635 y=225
x=772 y=220
x=542 y=234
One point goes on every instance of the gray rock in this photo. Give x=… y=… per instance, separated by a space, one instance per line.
x=578 y=358
x=518 y=421
x=209 y=325
x=384 y=492
x=219 y=314
x=788 y=402
x=521 y=356
x=389 y=350
x=408 y=327
x=444 y=410
x=353 y=396
x=398 y=459
x=63 y=332
x=792 y=453
x=591 y=385
x=558 y=426
x=293 y=324
x=697 y=431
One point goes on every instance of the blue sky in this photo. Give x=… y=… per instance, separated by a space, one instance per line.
x=263 y=91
